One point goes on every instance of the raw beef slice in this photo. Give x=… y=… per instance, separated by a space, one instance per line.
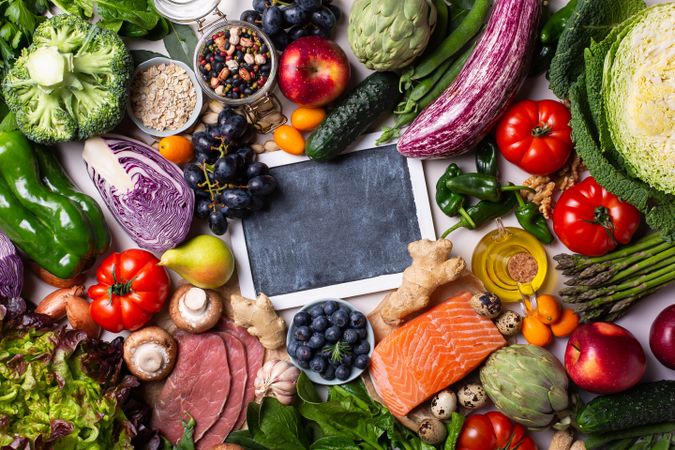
x=236 y=358
x=255 y=355
x=199 y=385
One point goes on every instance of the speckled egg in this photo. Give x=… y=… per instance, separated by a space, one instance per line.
x=509 y=323
x=486 y=304
x=443 y=404
x=472 y=396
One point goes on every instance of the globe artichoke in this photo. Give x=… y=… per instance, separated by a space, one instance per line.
x=526 y=383
x=390 y=34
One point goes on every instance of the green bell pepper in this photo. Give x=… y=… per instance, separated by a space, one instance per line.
x=60 y=229
x=532 y=220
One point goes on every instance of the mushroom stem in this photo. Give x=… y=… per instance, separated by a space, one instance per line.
x=149 y=357
x=195 y=300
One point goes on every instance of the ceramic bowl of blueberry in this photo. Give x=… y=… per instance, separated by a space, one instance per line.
x=331 y=341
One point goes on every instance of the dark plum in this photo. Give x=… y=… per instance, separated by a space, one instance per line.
x=343 y=372
x=339 y=318
x=350 y=336
x=317 y=341
x=361 y=361
x=320 y=323
x=303 y=353
x=362 y=348
x=302 y=333
x=302 y=318
x=333 y=334
x=357 y=319
x=318 y=364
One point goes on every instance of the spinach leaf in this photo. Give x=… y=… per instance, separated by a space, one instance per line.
x=137 y=12
x=306 y=391
x=81 y=8
x=181 y=43
x=590 y=21
x=141 y=56
x=334 y=443
x=244 y=439
x=281 y=426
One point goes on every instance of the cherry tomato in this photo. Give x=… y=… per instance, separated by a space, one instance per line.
x=306 y=119
x=177 y=149
x=131 y=288
x=477 y=434
x=536 y=136
x=591 y=220
x=289 y=140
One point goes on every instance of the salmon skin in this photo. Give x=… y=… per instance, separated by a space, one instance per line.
x=429 y=353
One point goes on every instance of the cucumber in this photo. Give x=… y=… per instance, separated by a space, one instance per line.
x=644 y=404
x=357 y=111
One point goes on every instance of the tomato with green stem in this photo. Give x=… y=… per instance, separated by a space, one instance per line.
x=592 y=221
x=536 y=136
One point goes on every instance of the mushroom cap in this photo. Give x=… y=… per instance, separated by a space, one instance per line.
x=210 y=316
x=150 y=335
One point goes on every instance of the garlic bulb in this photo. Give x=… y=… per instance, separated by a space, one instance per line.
x=277 y=379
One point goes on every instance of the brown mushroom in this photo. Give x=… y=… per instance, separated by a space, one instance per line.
x=150 y=353
x=195 y=309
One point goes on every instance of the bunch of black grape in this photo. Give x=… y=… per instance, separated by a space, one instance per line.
x=286 y=22
x=227 y=180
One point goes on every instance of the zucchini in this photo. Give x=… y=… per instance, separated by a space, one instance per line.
x=357 y=111
x=644 y=404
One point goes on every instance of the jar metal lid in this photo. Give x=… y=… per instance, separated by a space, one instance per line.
x=185 y=11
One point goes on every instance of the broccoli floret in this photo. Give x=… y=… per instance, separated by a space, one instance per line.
x=70 y=83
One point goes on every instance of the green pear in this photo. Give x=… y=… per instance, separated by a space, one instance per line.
x=205 y=261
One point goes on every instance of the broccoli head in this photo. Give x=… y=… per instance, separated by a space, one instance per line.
x=71 y=83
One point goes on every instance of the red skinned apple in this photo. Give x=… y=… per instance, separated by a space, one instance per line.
x=313 y=71
x=662 y=337
x=604 y=358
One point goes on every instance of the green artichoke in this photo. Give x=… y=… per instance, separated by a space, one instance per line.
x=526 y=383
x=390 y=34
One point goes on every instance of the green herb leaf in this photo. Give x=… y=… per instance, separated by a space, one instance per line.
x=244 y=439
x=334 y=443
x=186 y=441
x=181 y=43
x=305 y=389
x=141 y=56
x=280 y=427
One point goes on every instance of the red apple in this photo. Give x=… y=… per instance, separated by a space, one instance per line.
x=604 y=358
x=313 y=71
x=662 y=337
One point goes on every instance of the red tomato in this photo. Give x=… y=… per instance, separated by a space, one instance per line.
x=591 y=220
x=131 y=288
x=493 y=431
x=477 y=434
x=535 y=136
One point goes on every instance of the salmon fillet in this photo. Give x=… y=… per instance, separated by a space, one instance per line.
x=431 y=352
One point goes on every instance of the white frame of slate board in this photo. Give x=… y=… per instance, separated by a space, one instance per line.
x=342 y=290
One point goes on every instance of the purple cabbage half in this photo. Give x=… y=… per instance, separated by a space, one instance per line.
x=147 y=194
x=11 y=270
x=471 y=106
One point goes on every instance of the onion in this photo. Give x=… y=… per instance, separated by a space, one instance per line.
x=146 y=193
x=11 y=269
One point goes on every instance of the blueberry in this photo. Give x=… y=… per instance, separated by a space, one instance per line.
x=343 y=372
x=330 y=307
x=303 y=364
x=339 y=318
x=347 y=360
x=316 y=342
x=329 y=373
x=318 y=364
x=345 y=308
x=303 y=353
x=350 y=336
x=362 y=348
x=333 y=334
x=301 y=318
x=357 y=319
x=302 y=333
x=316 y=311
x=319 y=323
x=292 y=348
x=361 y=361
x=362 y=332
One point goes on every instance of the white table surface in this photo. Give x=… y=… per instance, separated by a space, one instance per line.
x=638 y=320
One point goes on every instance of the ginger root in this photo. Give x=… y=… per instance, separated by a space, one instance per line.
x=431 y=267
x=260 y=320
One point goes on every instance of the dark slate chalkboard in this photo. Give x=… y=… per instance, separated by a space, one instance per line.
x=329 y=223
